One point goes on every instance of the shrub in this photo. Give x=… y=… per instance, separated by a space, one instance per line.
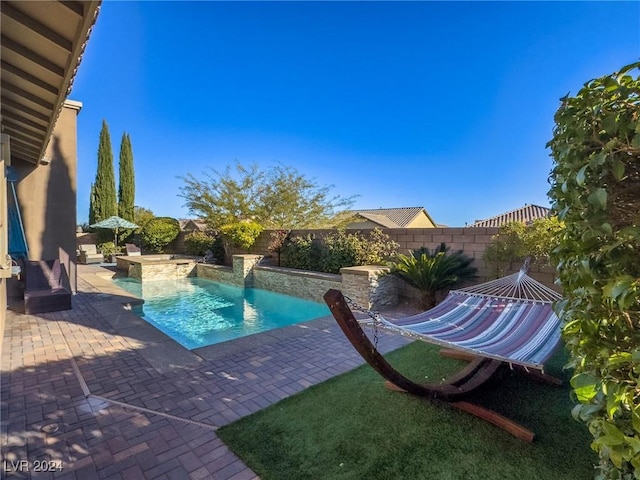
x=515 y=241
x=298 y=253
x=107 y=248
x=339 y=249
x=218 y=249
x=595 y=188
x=242 y=234
x=197 y=243
x=433 y=271
x=158 y=232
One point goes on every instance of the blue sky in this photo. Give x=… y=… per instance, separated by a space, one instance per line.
x=443 y=105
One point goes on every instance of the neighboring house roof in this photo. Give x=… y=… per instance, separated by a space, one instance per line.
x=187 y=224
x=393 y=217
x=526 y=214
x=42 y=45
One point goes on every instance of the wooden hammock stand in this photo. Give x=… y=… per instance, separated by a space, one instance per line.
x=455 y=390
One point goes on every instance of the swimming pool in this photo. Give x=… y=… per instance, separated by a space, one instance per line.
x=196 y=312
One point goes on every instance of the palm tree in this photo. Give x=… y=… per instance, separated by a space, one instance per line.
x=433 y=271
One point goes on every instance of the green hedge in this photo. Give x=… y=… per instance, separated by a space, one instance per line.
x=595 y=187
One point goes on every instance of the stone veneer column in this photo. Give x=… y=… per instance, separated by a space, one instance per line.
x=369 y=287
x=243 y=269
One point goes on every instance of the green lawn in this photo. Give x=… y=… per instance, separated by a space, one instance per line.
x=351 y=427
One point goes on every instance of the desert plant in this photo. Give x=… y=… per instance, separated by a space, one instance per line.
x=277 y=197
x=159 y=232
x=433 y=271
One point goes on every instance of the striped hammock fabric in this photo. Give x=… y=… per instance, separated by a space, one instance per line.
x=516 y=324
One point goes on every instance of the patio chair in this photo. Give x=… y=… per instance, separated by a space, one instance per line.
x=132 y=250
x=46 y=287
x=508 y=321
x=89 y=254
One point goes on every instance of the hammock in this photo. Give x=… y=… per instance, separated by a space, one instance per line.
x=508 y=320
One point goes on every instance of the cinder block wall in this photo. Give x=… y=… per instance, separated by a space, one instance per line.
x=471 y=240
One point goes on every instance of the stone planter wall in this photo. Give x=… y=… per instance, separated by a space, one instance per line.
x=216 y=273
x=241 y=274
x=299 y=283
x=471 y=240
x=368 y=286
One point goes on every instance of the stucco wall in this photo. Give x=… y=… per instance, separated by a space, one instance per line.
x=47 y=196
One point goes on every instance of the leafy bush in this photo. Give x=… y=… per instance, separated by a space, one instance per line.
x=595 y=188
x=107 y=248
x=515 y=241
x=141 y=216
x=218 y=249
x=433 y=271
x=242 y=234
x=158 y=232
x=197 y=243
x=339 y=249
x=299 y=252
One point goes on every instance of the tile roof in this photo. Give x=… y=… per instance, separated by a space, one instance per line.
x=189 y=222
x=526 y=214
x=392 y=217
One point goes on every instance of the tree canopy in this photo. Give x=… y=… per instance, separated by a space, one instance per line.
x=277 y=197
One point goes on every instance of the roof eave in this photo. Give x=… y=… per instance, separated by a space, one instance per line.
x=80 y=42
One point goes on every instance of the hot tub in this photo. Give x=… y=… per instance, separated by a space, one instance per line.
x=157 y=266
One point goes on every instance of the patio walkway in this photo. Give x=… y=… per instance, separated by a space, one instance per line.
x=97 y=393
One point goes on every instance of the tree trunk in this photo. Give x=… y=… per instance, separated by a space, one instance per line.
x=428 y=299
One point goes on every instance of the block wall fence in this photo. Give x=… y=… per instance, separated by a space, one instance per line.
x=471 y=240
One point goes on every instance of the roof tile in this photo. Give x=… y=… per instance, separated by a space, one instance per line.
x=526 y=214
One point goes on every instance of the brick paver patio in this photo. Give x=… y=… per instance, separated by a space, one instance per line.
x=95 y=392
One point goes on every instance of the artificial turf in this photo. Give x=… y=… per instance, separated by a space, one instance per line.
x=351 y=427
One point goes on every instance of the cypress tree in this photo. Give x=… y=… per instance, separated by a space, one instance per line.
x=92 y=207
x=105 y=203
x=127 y=186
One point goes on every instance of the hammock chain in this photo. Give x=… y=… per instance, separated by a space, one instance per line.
x=375 y=316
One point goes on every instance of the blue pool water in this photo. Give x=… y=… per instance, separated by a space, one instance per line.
x=196 y=312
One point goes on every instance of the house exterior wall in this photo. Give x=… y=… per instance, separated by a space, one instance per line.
x=421 y=221
x=362 y=225
x=47 y=196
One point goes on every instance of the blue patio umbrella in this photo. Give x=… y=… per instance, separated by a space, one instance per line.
x=114 y=223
